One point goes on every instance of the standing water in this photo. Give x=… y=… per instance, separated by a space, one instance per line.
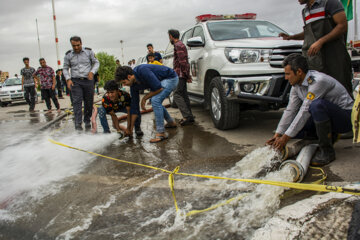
x=51 y=192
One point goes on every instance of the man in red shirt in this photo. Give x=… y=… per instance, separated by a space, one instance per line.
x=182 y=69
x=46 y=75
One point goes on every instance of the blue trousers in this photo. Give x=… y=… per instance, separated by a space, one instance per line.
x=160 y=111
x=104 y=121
x=322 y=110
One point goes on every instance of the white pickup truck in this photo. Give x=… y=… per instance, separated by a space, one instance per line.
x=236 y=64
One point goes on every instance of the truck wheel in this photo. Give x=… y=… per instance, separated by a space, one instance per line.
x=224 y=113
x=171 y=100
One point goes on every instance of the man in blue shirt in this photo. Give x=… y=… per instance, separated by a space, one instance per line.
x=161 y=81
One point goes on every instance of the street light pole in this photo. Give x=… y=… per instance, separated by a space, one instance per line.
x=37 y=31
x=122 y=51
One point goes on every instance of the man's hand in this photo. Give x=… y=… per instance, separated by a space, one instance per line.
x=315 y=48
x=53 y=87
x=284 y=36
x=143 y=103
x=90 y=76
x=69 y=84
x=128 y=132
x=189 y=80
x=281 y=142
x=273 y=139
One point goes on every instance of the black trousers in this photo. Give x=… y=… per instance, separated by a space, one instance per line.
x=47 y=94
x=30 y=96
x=83 y=90
x=182 y=100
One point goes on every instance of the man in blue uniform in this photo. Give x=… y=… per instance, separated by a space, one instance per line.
x=161 y=81
x=84 y=65
x=319 y=106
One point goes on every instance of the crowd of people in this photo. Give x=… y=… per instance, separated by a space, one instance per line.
x=320 y=101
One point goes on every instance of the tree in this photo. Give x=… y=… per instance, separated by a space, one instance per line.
x=107 y=67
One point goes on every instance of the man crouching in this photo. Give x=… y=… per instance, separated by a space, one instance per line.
x=115 y=100
x=319 y=106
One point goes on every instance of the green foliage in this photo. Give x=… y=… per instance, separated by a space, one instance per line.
x=107 y=67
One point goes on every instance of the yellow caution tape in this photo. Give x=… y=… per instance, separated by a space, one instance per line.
x=171 y=183
x=193 y=212
x=301 y=186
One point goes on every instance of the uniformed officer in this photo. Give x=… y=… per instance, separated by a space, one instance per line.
x=319 y=106
x=84 y=65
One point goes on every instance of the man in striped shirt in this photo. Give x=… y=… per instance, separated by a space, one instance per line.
x=319 y=106
x=324 y=38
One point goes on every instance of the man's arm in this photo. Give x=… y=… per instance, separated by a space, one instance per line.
x=128 y=119
x=66 y=73
x=95 y=67
x=22 y=83
x=339 y=30
x=299 y=36
x=115 y=121
x=147 y=96
x=54 y=82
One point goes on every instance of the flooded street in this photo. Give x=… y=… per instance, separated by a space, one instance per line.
x=52 y=192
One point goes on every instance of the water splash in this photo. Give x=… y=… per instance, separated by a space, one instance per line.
x=33 y=164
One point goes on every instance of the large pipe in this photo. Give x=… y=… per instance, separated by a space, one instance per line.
x=300 y=166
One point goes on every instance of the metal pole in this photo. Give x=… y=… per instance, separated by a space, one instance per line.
x=56 y=36
x=122 y=51
x=37 y=31
x=355 y=23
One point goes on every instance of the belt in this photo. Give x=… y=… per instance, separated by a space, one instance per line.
x=82 y=78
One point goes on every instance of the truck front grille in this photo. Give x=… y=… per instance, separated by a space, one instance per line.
x=279 y=54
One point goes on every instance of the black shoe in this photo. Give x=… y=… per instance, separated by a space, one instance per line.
x=78 y=128
x=326 y=152
x=139 y=132
x=87 y=127
x=187 y=121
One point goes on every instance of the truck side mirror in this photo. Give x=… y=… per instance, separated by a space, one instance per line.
x=195 y=42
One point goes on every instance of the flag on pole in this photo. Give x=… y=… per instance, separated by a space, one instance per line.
x=348 y=7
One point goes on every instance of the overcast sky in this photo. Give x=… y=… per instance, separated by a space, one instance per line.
x=103 y=23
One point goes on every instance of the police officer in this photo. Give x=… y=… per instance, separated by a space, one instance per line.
x=319 y=106
x=83 y=66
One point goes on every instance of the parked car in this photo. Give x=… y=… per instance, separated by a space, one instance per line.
x=236 y=64
x=11 y=92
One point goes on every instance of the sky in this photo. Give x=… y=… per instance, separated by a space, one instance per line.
x=103 y=23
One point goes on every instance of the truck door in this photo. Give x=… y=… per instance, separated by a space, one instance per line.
x=196 y=60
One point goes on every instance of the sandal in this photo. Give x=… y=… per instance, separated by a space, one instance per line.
x=170 y=125
x=158 y=138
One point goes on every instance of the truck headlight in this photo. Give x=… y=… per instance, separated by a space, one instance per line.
x=240 y=55
x=3 y=92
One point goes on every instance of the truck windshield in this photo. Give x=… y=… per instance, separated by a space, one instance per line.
x=227 y=30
